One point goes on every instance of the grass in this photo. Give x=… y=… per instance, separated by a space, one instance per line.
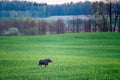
x=78 y=56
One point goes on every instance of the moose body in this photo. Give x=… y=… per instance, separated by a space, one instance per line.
x=44 y=62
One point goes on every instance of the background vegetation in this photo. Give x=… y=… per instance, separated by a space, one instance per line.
x=28 y=18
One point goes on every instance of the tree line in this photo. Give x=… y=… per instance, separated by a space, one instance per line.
x=33 y=9
x=29 y=26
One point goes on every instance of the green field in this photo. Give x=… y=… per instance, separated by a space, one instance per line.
x=78 y=56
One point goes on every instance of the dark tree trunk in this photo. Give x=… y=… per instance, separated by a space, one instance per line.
x=119 y=24
x=104 y=24
x=115 y=22
x=110 y=16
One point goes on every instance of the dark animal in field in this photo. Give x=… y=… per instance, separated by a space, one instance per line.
x=44 y=62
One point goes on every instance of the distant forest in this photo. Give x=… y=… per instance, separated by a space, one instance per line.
x=23 y=18
x=33 y=9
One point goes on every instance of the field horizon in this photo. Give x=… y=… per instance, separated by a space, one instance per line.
x=76 y=56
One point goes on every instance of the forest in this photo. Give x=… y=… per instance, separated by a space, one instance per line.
x=33 y=9
x=21 y=17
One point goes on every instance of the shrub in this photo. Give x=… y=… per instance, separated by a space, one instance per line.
x=31 y=31
x=11 y=32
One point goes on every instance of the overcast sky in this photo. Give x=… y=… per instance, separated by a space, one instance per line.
x=58 y=1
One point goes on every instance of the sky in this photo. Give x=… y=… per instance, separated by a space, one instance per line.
x=58 y=1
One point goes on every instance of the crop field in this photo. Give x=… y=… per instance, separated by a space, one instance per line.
x=76 y=56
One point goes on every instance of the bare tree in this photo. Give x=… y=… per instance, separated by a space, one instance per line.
x=60 y=26
x=100 y=15
x=114 y=12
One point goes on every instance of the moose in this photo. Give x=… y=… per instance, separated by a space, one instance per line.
x=44 y=62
